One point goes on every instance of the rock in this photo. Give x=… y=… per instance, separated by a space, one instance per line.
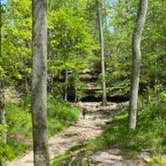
x=115 y=151
x=145 y=156
x=105 y=157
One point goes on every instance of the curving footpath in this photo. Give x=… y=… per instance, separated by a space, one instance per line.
x=83 y=130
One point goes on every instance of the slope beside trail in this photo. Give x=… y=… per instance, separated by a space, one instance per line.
x=84 y=129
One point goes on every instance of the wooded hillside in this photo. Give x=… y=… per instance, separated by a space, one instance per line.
x=77 y=51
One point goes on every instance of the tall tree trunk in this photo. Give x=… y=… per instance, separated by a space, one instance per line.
x=101 y=36
x=66 y=83
x=0 y=26
x=76 y=91
x=76 y=86
x=136 y=42
x=2 y=95
x=3 y=119
x=105 y=15
x=2 y=98
x=39 y=83
x=2 y=111
x=156 y=82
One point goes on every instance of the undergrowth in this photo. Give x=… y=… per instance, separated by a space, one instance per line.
x=19 y=122
x=80 y=149
x=150 y=134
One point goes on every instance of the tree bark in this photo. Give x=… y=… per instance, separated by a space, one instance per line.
x=2 y=111
x=2 y=95
x=2 y=99
x=66 y=83
x=0 y=26
x=76 y=87
x=101 y=37
x=3 y=120
x=156 y=82
x=136 y=61
x=76 y=97
x=39 y=83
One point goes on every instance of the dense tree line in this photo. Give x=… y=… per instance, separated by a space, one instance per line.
x=72 y=41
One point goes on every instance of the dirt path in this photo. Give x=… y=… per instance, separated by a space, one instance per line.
x=83 y=130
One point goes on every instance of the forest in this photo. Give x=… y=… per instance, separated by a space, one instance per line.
x=82 y=83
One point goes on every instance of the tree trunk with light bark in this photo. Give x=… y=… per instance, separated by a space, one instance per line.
x=101 y=37
x=136 y=61
x=39 y=83
x=3 y=111
x=66 y=83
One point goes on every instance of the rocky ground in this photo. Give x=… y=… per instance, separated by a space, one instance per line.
x=111 y=157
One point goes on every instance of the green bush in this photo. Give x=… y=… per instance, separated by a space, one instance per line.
x=5 y=150
x=150 y=133
x=59 y=115
x=61 y=110
x=158 y=161
x=17 y=148
x=18 y=119
x=20 y=125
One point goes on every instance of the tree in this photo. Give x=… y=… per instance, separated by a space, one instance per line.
x=2 y=95
x=2 y=103
x=2 y=111
x=101 y=36
x=70 y=47
x=16 y=51
x=136 y=61
x=39 y=83
x=2 y=122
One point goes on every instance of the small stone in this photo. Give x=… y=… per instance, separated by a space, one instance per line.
x=145 y=156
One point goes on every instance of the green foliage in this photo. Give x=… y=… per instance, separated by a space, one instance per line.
x=71 y=44
x=17 y=148
x=72 y=38
x=158 y=161
x=19 y=118
x=80 y=148
x=59 y=115
x=149 y=135
x=20 y=126
x=61 y=111
x=118 y=45
x=16 y=41
x=5 y=150
x=59 y=159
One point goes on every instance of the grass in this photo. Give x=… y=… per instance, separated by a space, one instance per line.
x=20 y=126
x=60 y=115
x=158 y=161
x=17 y=148
x=150 y=134
x=80 y=149
x=59 y=159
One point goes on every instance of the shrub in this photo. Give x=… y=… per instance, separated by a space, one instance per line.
x=20 y=125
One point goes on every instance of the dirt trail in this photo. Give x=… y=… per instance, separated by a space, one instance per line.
x=81 y=131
